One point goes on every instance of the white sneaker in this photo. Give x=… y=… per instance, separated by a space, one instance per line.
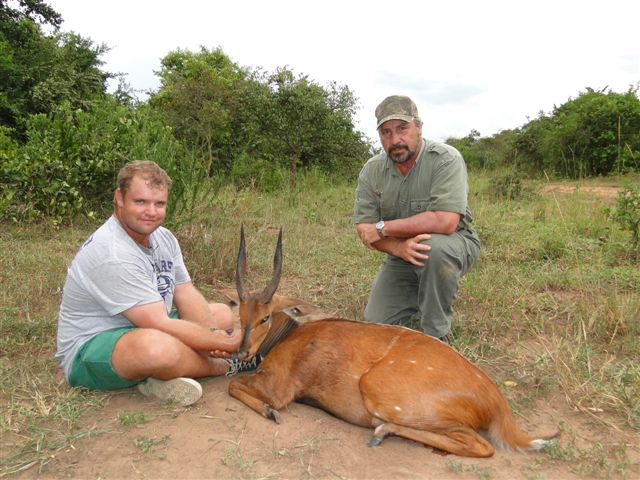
x=183 y=391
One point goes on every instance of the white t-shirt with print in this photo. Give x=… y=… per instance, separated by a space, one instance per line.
x=110 y=274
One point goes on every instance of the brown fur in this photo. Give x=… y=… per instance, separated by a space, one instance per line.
x=393 y=379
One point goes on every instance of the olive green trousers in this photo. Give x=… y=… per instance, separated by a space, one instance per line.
x=401 y=290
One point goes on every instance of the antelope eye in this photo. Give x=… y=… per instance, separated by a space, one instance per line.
x=265 y=319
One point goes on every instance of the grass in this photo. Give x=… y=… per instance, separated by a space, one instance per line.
x=551 y=306
x=595 y=460
x=237 y=461
x=130 y=419
x=480 y=472
x=148 y=445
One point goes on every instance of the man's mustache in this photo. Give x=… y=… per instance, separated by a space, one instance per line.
x=399 y=145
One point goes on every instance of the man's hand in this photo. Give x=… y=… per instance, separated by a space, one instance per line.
x=408 y=249
x=412 y=251
x=234 y=336
x=368 y=234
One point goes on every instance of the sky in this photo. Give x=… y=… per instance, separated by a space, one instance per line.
x=469 y=65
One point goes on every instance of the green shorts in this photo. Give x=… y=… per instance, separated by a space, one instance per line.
x=92 y=366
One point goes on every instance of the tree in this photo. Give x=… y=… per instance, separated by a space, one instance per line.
x=496 y=151
x=596 y=133
x=601 y=130
x=39 y=72
x=34 y=10
x=308 y=125
x=241 y=119
x=198 y=96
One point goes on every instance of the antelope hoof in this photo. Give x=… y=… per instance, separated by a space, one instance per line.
x=380 y=433
x=272 y=414
x=375 y=441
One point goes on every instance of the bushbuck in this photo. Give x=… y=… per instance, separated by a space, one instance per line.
x=389 y=378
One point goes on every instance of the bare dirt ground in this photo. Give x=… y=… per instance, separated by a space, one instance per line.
x=220 y=437
x=609 y=194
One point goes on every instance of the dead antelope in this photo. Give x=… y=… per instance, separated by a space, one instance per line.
x=390 y=378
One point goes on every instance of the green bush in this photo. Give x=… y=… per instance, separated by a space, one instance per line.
x=70 y=161
x=259 y=173
x=594 y=134
x=8 y=150
x=506 y=186
x=627 y=213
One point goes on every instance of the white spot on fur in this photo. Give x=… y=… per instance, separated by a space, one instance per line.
x=392 y=361
x=397 y=408
x=412 y=361
x=539 y=444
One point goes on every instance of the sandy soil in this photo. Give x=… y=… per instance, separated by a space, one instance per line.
x=221 y=438
x=609 y=194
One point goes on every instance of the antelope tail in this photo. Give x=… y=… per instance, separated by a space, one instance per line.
x=504 y=433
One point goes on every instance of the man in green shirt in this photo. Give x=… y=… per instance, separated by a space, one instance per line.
x=411 y=203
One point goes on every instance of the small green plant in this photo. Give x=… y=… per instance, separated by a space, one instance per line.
x=147 y=444
x=627 y=213
x=129 y=419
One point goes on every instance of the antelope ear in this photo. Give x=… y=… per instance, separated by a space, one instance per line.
x=229 y=296
x=281 y=302
x=293 y=311
x=298 y=308
x=305 y=312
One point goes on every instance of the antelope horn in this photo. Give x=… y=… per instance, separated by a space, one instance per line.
x=241 y=266
x=267 y=293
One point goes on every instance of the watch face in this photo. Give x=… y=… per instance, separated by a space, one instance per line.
x=380 y=225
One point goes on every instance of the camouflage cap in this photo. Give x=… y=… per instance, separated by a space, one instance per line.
x=396 y=107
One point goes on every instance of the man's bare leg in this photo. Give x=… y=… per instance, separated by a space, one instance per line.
x=145 y=352
x=169 y=365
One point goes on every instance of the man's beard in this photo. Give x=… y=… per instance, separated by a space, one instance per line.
x=402 y=155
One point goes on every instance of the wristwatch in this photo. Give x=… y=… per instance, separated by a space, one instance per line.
x=380 y=228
